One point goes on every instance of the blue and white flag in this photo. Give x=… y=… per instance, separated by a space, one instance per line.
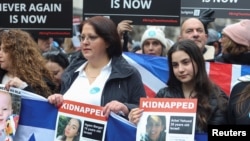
x=37 y=121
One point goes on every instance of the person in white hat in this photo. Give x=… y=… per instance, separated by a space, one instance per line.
x=154 y=42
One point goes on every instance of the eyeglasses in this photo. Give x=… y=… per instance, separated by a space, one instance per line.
x=90 y=38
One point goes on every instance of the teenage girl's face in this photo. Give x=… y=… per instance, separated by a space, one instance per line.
x=71 y=130
x=182 y=67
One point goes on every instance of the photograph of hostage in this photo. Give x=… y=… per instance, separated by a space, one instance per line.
x=71 y=131
x=155 y=128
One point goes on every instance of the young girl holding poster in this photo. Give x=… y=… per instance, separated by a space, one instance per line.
x=188 y=79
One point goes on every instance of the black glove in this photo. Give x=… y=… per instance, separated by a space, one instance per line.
x=206 y=16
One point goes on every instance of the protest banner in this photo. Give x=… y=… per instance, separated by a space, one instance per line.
x=141 y=12
x=49 y=18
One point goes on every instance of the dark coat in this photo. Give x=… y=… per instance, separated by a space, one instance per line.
x=242 y=59
x=233 y=116
x=124 y=83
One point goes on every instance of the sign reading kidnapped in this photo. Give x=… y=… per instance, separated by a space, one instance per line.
x=38 y=15
x=141 y=12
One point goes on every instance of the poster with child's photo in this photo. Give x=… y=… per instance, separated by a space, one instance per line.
x=10 y=105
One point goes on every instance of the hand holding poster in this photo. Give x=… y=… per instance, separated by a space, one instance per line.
x=86 y=121
x=167 y=119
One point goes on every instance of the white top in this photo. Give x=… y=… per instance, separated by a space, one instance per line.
x=6 y=79
x=209 y=54
x=82 y=91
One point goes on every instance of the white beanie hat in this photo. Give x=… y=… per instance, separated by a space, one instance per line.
x=154 y=33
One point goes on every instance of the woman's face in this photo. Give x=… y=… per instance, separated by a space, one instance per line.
x=93 y=46
x=225 y=42
x=152 y=47
x=5 y=60
x=56 y=70
x=182 y=67
x=71 y=130
x=154 y=127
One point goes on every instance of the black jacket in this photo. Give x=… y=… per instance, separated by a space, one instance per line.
x=124 y=83
x=233 y=116
x=242 y=59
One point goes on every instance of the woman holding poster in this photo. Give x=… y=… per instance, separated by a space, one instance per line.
x=104 y=77
x=188 y=79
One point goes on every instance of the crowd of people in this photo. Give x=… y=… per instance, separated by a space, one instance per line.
x=96 y=72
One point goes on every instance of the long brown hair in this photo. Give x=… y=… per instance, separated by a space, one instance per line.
x=233 y=48
x=203 y=86
x=27 y=62
x=244 y=96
